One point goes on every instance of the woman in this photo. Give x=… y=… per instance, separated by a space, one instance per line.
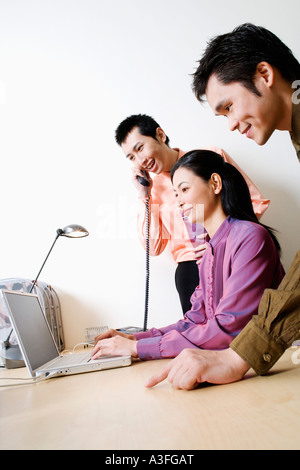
x=241 y=260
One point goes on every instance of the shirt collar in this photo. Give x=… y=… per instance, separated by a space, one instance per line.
x=222 y=232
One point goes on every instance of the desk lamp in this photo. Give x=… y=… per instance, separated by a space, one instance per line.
x=11 y=353
x=71 y=231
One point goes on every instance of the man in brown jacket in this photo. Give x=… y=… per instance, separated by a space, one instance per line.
x=253 y=79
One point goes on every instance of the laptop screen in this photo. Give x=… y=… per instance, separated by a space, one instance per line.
x=31 y=328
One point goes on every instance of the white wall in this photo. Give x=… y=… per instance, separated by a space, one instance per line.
x=70 y=71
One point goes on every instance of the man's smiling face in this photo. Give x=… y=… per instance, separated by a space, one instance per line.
x=252 y=115
x=146 y=153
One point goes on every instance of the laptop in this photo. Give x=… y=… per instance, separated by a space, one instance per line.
x=37 y=344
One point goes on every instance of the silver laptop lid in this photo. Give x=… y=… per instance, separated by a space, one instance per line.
x=31 y=327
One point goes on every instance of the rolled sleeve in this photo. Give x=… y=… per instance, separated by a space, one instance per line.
x=265 y=338
x=255 y=345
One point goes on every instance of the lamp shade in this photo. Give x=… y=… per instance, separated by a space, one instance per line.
x=73 y=231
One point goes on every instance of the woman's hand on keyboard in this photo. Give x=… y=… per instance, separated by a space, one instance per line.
x=114 y=343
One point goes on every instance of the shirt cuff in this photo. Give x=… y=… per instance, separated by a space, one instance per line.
x=267 y=350
x=149 y=348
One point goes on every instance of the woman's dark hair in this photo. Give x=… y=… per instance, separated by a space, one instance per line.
x=235 y=195
x=146 y=124
x=234 y=57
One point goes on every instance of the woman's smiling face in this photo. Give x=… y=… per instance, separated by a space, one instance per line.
x=196 y=197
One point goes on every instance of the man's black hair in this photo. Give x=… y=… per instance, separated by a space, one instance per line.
x=234 y=57
x=146 y=124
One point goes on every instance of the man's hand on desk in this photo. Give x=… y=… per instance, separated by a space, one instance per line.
x=194 y=366
x=115 y=343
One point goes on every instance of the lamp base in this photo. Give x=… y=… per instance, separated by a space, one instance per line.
x=12 y=357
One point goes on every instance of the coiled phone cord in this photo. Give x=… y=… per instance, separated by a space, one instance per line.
x=147 y=222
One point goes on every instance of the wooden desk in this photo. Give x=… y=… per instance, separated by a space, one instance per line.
x=112 y=410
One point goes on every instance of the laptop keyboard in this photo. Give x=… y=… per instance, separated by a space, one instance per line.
x=70 y=359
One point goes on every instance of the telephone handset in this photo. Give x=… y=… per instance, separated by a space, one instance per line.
x=143 y=180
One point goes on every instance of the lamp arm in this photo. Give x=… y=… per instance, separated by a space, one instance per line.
x=58 y=233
